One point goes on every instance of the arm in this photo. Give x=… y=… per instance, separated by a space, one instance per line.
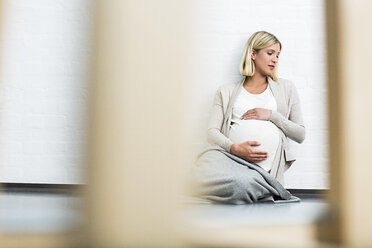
x=215 y=124
x=293 y=127
x=244 y=150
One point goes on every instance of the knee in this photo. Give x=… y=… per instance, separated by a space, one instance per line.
x=242 y=183
x=244 y=189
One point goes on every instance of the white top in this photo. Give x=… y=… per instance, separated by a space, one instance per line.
x=265 y=132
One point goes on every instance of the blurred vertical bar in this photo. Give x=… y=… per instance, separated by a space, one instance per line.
x=140 y=75
x=349 y=52
x=329 y=228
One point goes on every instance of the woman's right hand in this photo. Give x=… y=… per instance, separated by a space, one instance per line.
x=245 y=151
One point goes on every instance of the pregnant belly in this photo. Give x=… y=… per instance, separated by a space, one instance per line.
x=264 y=132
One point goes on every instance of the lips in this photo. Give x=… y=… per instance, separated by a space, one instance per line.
x=272 y=66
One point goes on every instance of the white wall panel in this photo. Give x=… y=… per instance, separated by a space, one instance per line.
x=221 y=29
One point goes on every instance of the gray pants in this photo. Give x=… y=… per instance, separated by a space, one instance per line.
x=224 y=178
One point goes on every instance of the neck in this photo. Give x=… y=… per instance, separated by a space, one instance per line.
x=256 y=80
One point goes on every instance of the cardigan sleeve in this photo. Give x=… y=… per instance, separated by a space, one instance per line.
x=293 y=127
x=214 y=134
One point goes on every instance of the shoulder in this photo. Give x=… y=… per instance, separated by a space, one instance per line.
x=228 y=87
x=226 y=90
x=287 y=85
x=290 y=90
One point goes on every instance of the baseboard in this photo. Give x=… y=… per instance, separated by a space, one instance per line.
x=46 y=188
x=310 y=193
x=49 y=188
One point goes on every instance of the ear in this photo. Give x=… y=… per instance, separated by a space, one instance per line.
x=253 y=54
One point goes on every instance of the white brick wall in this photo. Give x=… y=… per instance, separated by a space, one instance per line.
x=43 y=91
x=45 y=51
x=220 y=30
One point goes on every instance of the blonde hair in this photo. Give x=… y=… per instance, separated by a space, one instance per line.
x=257 y=41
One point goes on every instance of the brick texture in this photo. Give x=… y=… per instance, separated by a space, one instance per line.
x=43 y=93
x=220 y=30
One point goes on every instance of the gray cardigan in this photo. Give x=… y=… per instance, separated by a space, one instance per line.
x=288 y=118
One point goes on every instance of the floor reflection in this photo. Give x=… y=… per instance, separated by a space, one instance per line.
x=304 y=212
x=39 y=212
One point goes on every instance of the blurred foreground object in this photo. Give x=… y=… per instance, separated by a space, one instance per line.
x=139 y=78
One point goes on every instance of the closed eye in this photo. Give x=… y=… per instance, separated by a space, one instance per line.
x=272 y=54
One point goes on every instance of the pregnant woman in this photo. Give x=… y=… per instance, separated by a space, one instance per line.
x=248 y=132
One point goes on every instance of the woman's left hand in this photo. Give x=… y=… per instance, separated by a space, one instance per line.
x=257 y=113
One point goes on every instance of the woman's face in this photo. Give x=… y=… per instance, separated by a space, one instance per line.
x=266 y=59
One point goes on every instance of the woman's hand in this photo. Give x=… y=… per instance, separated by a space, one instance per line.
x=257 y=113
x=245 y=151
